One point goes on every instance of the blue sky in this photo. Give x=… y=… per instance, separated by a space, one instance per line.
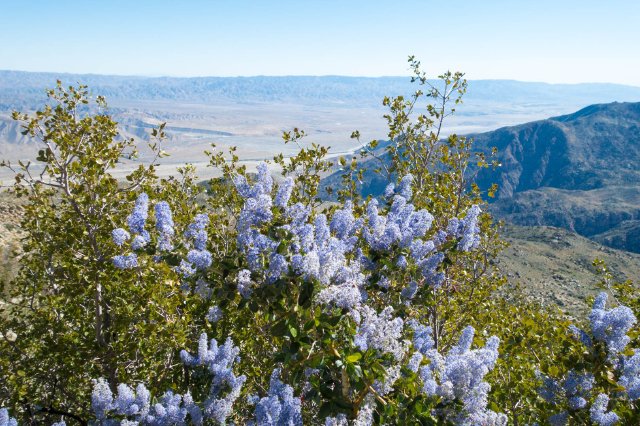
x=561 y=41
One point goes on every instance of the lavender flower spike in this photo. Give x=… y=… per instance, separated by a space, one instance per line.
x=164 y=225
x=5 y=420
x=138 y=217
x=599 y=414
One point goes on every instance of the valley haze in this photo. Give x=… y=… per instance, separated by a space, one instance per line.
x=252 y=112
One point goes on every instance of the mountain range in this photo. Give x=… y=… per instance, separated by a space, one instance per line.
x=579 y=171
x=20 y=88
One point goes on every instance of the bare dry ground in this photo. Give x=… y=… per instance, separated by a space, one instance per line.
x=554 y=265
x=10 y=212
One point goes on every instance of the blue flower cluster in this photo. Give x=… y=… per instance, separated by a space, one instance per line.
x=256 y=211
x=5 y=419
x=174 y=409
x=364 y=418
x=280 y=406
x=219 y=361
x=599 y=413
x=199 y=258
x=422 y=337
x=244 y=283
x=404 y=188
x=459 y=376
x=138 y=217
x=185 y=269
x=365 y=415
x=400 y=226
x=120 y=236
x=284 y=192
x=608 y=327
x=382 y=332
x=575 y=389
x=630 y=377
x=125 y=261
x=318 y=250
x=467 y=229
x=136 y=222
x=164 y=226
x=422 y=342
x=258 y=201
x=339 y=420
x=611 y=326
x=197 y=231
x=343 y=279
x=580 y=334
x=404 y=227
x=332 y=251
x=423 y=254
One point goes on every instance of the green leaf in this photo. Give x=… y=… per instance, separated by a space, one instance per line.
x=354 y=357
x=293 y=331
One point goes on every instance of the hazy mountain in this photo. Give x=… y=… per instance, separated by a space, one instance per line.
x=20 y=88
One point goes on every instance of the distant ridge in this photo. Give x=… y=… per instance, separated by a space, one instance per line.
x=28 y=87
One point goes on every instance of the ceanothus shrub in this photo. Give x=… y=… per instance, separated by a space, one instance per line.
x=605 y=345
x=349 y=337
x=339 y=255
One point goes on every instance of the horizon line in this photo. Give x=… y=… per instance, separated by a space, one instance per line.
x=166 y=76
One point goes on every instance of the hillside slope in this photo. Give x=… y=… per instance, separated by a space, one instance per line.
x=580 y=172
x=596 y=147
x=553 y=265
